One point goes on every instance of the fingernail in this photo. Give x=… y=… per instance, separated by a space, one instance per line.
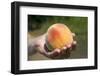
x=68 y=46
x=74 y=42
x=64 y=48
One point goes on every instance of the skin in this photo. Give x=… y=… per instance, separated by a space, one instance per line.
x=38 y=45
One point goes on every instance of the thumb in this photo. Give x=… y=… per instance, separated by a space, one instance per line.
x=57 y=50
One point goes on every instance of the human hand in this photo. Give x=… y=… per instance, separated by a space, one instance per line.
x=57 y=53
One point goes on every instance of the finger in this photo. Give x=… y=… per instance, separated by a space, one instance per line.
x=73 y=34
x=57 y=50
x=55 y=53
x=64 y=48
x=74 y=45
x=69 y=47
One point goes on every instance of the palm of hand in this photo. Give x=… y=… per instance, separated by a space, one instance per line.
x=56 y=53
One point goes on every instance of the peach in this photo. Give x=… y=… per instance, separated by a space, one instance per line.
x=58 y=35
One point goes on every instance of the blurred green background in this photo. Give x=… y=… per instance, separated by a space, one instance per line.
x=38 y=25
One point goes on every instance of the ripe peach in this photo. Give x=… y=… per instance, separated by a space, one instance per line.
x=58 y=35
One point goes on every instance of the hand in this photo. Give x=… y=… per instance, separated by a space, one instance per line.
x=57 y=53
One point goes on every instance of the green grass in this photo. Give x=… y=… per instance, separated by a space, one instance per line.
x=77 y=25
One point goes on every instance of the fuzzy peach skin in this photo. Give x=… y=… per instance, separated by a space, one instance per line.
x=58 y=35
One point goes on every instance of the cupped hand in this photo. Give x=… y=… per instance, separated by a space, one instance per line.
x=56 y=53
